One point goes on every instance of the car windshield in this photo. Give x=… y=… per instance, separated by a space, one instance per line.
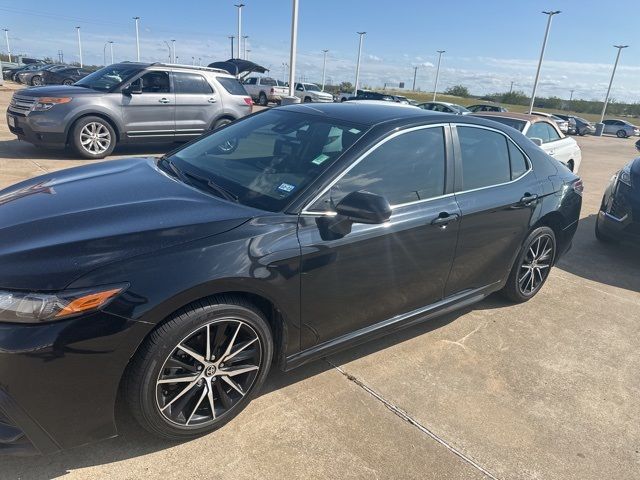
x=310 y=87
x=108 y=77
x=511 y=122
x=265 y=160
x=459 y=108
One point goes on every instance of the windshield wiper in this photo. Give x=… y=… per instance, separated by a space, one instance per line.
x=217 y=189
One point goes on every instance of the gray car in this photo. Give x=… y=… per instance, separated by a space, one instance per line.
x=620 y=128
x=128 y=103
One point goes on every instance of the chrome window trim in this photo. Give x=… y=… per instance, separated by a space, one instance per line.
x=304 y=211
x=526 y=157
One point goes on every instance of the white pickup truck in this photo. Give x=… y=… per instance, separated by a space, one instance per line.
x=264 y=90
x=310 y=92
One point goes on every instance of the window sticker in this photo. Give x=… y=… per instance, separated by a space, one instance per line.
x=355 y=131
x=320 y=159
x=286 y=187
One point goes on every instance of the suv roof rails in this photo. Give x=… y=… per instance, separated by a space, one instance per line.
x=192 y=67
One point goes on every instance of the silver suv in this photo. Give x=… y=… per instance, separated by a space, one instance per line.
x=128 y=103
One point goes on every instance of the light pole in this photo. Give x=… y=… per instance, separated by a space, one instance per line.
x=511 y=87
x=6 y=36
x=193 y=61
x=240 y=5
x=244 y=46
x=137 y=19
x=104 y=54
x=571 y=95
x=231 y=37
x=294 y=46
x=285 y=65
x=324 y=67
x=615 y=65
x=173 y=50
x=111 y=48
x=435 y=87
x=544 y=46
x=362 y=34
x=168 y=48
x=415 y=74
x=199 y=61
x=246 y=54
x=79 y=46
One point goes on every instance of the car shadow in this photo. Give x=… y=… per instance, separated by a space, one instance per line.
x=132 y=441
x=19 y=150
x=614 y=264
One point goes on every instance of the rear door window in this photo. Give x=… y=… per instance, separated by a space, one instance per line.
x=192 y=83
x=485 y=158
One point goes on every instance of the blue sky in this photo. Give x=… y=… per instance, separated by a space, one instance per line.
x=488 y=43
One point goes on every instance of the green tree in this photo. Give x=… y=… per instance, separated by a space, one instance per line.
x=346 y=87
x=458 y=91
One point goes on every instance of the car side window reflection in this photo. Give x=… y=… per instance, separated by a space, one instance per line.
x=407 y=168
x=538 y=130
x=485 y=158
x=155 y=82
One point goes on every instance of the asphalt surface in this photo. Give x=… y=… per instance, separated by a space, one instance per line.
x=544 y=390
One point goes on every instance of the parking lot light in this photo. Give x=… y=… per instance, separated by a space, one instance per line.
x=79 y=46
x=294 y=47
x=111 y=48
x=324 y=67
x=231 y=37
x=544 y=46
x=435 y=87
x=6 y=36
x=137 y=19
x=355 y=90
x=613 y=73
x=240 y=5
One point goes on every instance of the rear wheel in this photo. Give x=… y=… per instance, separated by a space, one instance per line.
x=36 y=80
x=262 y=99
x=532 y=266
x=67 y=81
x=199 y=369
x=93 y=137
x=621 y=134
x=307 y=99
x=571 y=165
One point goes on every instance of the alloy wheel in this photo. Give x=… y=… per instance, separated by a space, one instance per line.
x=95 y=138
x=210 y=371
x=536 y=264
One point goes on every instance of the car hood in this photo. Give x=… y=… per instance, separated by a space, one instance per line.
x=59 y=226
x=57 y=91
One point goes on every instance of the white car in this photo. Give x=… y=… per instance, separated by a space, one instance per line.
x=310 y=92
x=543 y=132
x=563 y=124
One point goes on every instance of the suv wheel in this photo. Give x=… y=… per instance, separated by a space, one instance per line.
x=307 y=99
x=36 y=81
x=67 y=81
x=262 y=99
x=621 y=134
x=531 y=269
x=93 y=137
x=199 y=369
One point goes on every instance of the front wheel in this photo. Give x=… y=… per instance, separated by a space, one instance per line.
x=532 y=266
x=36 y=81
x=621 y=134
x=199 y=369
x=93 y=137
x=262 y=99
x=67 y=81
x=307 y=99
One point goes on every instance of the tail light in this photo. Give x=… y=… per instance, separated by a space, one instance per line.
x=248 y=101
x=577 y=186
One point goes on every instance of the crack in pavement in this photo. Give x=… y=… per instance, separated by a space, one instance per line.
x=407 y=418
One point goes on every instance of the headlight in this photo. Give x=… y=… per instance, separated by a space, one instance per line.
x=22 y=307
x=624 y=175
x=45 y=103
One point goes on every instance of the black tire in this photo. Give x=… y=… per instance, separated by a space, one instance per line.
x=343 y=99
x=601 y=236
x=67 y=81
x=516 y=287
x=263 y=100
x=221 y=123
x=621 y=134
x=81 y=131
x=148 y=369
x=36 y=81
x=570 y=165
x=307 y=99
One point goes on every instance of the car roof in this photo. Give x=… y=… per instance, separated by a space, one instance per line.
x=372 y=113
x=525 y=117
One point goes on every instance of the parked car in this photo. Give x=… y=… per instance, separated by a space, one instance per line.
x=578 y=125
x=444 y=107
x=563 y=124
x=619 y=214
x=264 y=90
x=545 y=133
x=128 y=103
x=177 y=282
x=621 y=128
x=367 y=95
x=9 y=72
x=401 y=99
x=64 y=76
x=310 y=92
x=36 y=76
x=486 y=107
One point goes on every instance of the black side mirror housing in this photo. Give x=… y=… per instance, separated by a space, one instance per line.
x=134 y=88
x=364 y=207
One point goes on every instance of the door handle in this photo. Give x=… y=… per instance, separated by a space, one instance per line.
x=163 y=100
x=444 y=219
x=212 y=100
x=528 y=199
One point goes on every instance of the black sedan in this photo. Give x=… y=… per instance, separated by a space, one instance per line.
x=619 y=214
x=9 y=73
x=276 y=240
x=64 y=76
x=40 y=76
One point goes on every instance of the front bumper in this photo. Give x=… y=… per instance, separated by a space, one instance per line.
x=619 y=215
x=23 y=127
x=59 y=380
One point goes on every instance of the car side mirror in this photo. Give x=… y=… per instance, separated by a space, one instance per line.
x=364 y=207
x=134 y=88
x=537 y=141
